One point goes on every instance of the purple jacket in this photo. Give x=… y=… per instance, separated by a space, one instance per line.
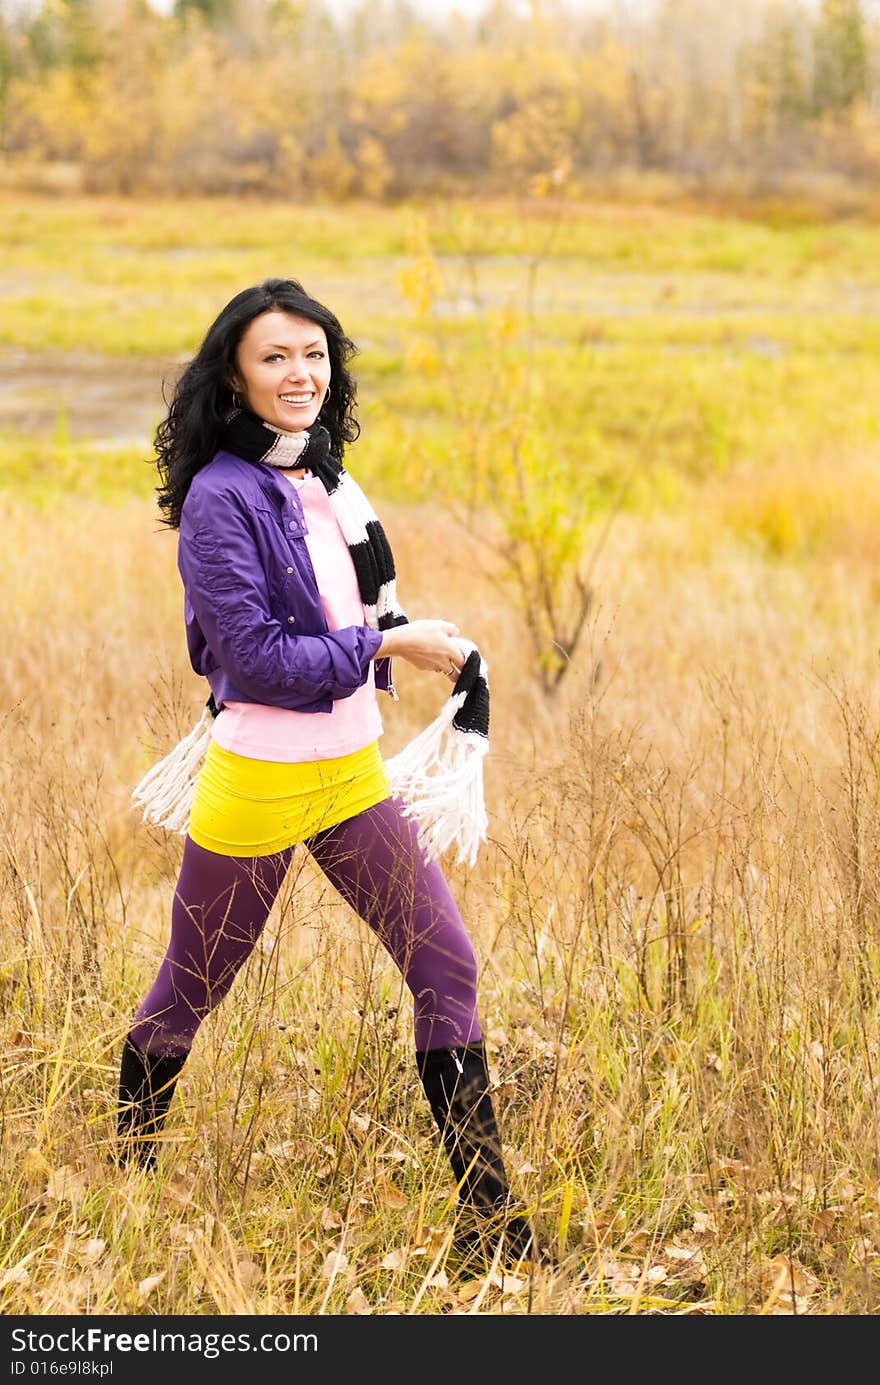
x=255 y=626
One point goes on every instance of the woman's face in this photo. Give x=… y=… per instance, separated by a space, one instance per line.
x=283 y=369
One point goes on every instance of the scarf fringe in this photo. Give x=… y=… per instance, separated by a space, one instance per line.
x=439 y=776
x=166 y=792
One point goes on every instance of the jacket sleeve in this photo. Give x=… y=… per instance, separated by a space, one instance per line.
x=225 y=586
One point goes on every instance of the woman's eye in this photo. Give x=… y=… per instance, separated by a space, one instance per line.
x=318 y=353
x=276 y=356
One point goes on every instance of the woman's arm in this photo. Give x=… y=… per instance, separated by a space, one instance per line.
x=226 y=591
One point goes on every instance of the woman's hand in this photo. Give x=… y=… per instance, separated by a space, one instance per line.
x=427 y=644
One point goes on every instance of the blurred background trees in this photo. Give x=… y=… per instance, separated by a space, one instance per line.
x=289 y=98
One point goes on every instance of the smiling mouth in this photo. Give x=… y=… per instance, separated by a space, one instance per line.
x=297 y=400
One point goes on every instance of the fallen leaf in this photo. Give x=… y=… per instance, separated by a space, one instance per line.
x=357 y=1304
x=637 y=1242
x=822 y=1223
x=17 y=1274
x=152 y=1281
x=689 y=1264
x=37 y=1170
x=335 y=1264
x=507 y=1282
x=789 y=1278
x=390 y=1194
x=66 y=1184
x=92 y=1250
x=248 y=1271
x=359 y=1125
x=465 y=1292
x=394 y=1260
x=519 y=1163
x=290 y=1149
x=330 y=1220
x=673 y=1252
x=787 y=1285
x=737 y=1171
x=431 y=1238
x=623 y=1288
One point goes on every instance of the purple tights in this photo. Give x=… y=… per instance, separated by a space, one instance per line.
x=221 y=904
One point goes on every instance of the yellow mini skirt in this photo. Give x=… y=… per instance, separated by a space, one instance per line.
x=245 y=807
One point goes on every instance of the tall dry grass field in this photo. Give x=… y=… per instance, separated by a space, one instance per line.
x=676 y=917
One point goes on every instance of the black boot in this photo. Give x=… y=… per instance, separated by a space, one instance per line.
x=456 y=1083
x=146 y=1086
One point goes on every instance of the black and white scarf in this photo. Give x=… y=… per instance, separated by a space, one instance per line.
x=439 y=774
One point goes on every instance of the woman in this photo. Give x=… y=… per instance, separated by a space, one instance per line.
x=291 y=615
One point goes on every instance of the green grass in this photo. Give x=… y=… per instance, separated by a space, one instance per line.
x=42 y=470
x=669 y=343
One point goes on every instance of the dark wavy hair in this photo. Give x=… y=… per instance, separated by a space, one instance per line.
x=189 y=435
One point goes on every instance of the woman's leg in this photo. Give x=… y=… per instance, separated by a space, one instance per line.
x=376 y=863
x=220 y=907
x=221 y=904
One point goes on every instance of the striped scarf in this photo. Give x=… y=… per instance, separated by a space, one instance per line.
x=439 y=775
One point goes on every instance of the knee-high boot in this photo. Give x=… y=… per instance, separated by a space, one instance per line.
x=146 y=1086
x=456 y=1083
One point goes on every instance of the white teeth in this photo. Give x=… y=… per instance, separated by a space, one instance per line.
x=296 y=398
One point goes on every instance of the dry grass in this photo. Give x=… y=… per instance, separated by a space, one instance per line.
x=676 y=918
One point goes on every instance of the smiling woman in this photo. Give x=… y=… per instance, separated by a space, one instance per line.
x=292 y=616
x=283 y=370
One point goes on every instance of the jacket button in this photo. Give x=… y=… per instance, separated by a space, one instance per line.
x=289 y=570
x=293 y=524
x=291 y=620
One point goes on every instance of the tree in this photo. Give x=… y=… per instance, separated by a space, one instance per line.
x=214 y=12
x=840 y=74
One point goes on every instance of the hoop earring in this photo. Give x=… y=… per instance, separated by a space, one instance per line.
x=236 y=400
x=326 y=397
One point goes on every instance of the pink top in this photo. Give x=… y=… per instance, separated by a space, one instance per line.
x=274 y=733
